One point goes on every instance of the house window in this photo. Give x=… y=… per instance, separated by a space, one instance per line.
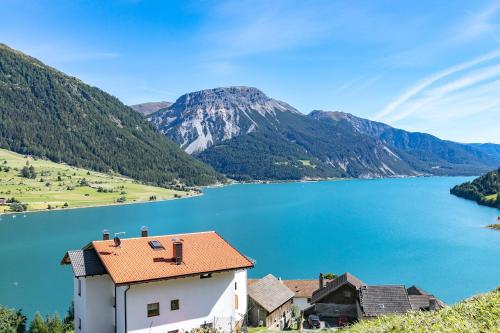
x=347 y=293
x=79 y=323
x=206 y=276
x=79 y=287
x=236 y=302
x=236 y=286
x=153 y=309
x=174 y=304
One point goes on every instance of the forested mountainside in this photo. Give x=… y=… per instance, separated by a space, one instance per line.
x=431 y=154
x=245 y=134
x=147 y=108
x=49 y=114
x=485 y=190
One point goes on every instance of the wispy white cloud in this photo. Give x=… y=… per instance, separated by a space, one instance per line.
x=435 y=95
x=479 y=23
x=237 y=28
x=420 y=86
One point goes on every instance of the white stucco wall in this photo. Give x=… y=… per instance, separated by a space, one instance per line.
x=301 y=303
x=200 y=300
x=95 y=304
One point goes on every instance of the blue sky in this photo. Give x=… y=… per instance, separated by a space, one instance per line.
x=430 y=66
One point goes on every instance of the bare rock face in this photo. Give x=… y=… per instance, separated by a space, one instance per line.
x=201 y=119
x=148 y=108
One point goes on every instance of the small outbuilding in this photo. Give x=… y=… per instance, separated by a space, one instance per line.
x=3 y=201
x=270 y=303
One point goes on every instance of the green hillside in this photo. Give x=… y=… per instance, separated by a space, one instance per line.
x=61 y=186
x=484 y=189
x=46 y=113
x=478 y=314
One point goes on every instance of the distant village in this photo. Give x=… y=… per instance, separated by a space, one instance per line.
x=183 y=282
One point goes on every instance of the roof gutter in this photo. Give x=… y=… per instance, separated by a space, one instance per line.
x=125 y=301
x=129 y=283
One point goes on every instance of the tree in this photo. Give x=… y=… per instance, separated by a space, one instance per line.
x=12 y=321
x=28 y=172
x=55 y=324
x=38 y=325
x=70 y=315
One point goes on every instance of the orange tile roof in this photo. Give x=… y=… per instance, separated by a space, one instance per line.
x=302 y=288
x=135 y=260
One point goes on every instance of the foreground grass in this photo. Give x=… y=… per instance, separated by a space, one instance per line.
x=478 y=314
x=59 y=184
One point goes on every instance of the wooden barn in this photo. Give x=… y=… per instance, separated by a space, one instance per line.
x=269 y=303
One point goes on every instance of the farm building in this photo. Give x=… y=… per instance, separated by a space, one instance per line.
x=269 y=303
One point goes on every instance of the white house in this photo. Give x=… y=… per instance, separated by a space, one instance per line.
x=159 y=284
x=303 y=290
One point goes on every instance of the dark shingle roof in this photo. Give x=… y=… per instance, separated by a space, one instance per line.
x=383 y=300
x=84 y=263
x=414 y=290
x=269 y=292
x=419 y=302
x=346 y=278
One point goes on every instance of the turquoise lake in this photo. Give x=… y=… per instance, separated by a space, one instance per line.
x=387 y=231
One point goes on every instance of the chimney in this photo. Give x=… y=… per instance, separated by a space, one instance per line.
x=105 y=234
x=321 y=281
x=144 y=231
x=177 y=252
x=433 y=305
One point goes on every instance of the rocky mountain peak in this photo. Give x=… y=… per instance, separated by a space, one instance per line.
x=200 y=119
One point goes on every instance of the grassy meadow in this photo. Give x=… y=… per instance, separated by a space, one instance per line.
x=61 y=186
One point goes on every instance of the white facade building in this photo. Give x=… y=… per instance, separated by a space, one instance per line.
x=180 y=283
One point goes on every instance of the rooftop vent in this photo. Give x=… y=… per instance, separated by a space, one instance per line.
x=156 y=245
x=144 y=231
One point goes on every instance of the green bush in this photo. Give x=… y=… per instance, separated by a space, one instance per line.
x=12 y=321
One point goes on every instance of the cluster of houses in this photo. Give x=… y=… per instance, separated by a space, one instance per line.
x=182 y=282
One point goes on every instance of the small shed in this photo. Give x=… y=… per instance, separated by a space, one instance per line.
x=3 y=201
x=269 y=303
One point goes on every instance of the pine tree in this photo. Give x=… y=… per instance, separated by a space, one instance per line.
x=55 y=324
x=38 y=325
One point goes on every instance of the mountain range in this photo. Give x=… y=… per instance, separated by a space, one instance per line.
x=238 y=131
x=245 y=134
x=45 y=113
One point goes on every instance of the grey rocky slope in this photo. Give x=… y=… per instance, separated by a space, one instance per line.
x=150 y=107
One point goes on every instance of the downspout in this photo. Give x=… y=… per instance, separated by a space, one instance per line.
x=125 y=301
x=115 y=313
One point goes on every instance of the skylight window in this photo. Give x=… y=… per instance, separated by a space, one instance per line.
x=156 y=245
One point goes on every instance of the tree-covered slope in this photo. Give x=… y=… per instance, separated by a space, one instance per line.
x=476 y=315
x=422 y=151
x=46 y=113
x=484 y=189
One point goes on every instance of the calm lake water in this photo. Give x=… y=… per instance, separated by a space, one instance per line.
x=389 y=231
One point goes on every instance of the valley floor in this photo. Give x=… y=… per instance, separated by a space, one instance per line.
x=59 y=186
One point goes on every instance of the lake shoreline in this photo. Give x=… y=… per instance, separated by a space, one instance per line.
x=219 y=185
x=99 y=205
